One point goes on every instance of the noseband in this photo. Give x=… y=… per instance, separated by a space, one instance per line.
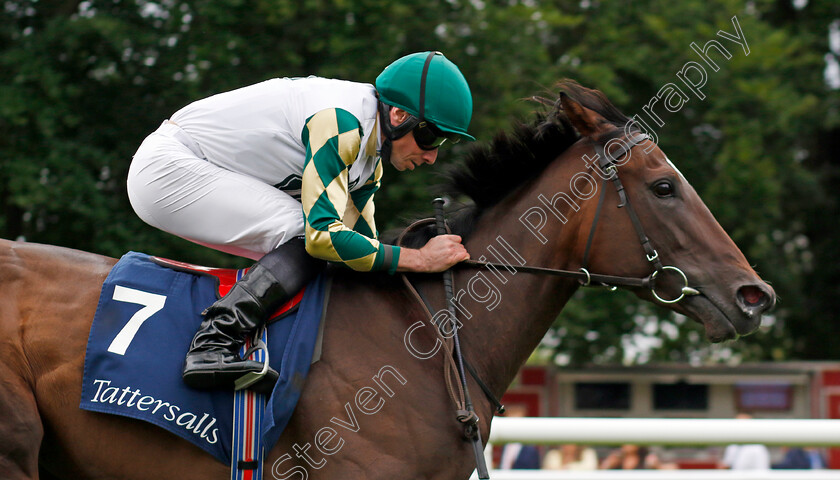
x=607 y=163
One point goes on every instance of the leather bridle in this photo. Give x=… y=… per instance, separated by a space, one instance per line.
x=607 y=162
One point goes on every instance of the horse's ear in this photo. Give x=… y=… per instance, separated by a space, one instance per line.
x=588 y=122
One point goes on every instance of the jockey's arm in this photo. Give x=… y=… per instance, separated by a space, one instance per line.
x=339 y=225
x=333 y=139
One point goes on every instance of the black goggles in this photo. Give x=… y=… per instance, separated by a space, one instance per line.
x=426 y=134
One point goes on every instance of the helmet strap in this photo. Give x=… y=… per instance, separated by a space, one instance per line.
x=391 y=132
x=387 y=129
x=423 y=76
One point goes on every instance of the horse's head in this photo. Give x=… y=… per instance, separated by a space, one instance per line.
x=723 y=292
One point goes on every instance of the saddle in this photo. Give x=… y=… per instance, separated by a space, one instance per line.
x=225 y=279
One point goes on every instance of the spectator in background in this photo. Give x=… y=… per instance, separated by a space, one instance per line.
x=801 y=459
x=816 y=459
x=746 y=457
x=570 y=457
x=631 y=457
x=518 y=456
x=794 y=459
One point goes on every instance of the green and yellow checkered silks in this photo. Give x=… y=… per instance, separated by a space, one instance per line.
x=339 y=224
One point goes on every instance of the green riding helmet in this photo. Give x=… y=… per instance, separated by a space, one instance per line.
x=447 y=101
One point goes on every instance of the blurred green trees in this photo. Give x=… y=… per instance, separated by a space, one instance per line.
x=83 y=82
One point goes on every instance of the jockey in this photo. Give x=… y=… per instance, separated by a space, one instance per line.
x=284 y=172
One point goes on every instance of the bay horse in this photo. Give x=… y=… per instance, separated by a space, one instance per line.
x=376 y=405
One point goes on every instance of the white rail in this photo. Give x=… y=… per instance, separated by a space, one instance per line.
x=664 y=475
x=665 y=431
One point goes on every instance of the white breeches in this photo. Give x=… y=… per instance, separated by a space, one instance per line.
x=173 y=188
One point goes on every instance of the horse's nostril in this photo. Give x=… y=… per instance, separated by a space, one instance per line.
x=752 y=296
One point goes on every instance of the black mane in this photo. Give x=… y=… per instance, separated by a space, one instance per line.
x=489 y=173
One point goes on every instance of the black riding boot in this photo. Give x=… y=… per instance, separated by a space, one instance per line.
x=213 y=360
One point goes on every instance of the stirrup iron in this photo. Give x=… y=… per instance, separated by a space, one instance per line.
x=252 y=378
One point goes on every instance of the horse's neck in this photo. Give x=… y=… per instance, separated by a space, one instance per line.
x=513 y=311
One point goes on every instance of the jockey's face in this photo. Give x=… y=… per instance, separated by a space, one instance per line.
x=405 y=153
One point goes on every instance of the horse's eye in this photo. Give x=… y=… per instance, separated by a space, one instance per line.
x=663 y=189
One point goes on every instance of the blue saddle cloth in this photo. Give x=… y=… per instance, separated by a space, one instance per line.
x=144 y=323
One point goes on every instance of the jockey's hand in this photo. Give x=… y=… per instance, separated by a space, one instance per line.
x=439 y=253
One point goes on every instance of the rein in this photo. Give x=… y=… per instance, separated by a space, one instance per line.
x=582 y=275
